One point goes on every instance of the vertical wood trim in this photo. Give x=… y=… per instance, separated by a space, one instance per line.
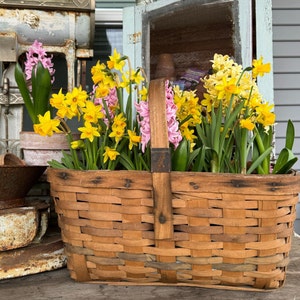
x=264 y=45
x=129 y=28
x=245 y=31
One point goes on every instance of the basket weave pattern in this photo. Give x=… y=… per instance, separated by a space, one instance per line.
x=183 y=228
x=228 y=230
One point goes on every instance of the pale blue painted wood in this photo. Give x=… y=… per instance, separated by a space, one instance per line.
x=245 y=29
x=264 y=46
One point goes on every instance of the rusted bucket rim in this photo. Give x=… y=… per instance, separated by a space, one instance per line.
x=10 y=159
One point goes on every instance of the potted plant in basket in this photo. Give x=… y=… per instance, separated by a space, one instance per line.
x=35 y=85
x=223 y=216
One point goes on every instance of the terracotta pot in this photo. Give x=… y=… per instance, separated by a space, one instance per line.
x=38 y=150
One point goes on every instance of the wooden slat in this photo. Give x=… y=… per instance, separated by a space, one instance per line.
x=179 y=228
x=161 y=181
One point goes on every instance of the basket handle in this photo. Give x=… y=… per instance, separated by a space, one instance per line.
x=160 y=161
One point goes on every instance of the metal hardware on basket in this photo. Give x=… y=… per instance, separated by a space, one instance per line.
x=160 y=160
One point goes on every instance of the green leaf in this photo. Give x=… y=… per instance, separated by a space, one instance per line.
x=290 y=135
x=126 y=161
x=201 y=134
x=57 y=165
x=286 y=158
x=259 y=160
x=198 y=156
x=180 y=156
x=67 y=160
x=216 y=124
x=285 y=161
x=22 y=85
x=215 y=162
x=288 y=166
x=41 y=89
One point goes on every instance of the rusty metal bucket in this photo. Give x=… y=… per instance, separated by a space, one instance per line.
x=16 y=179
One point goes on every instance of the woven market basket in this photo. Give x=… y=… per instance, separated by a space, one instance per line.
x=183 y=228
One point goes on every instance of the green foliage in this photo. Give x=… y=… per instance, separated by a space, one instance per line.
x=286 y=158
x=36 y=100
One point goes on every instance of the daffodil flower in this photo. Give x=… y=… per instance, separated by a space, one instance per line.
x=78 y=144
x=143 y=93
x=97 y=72
x=116 y=61
x=76 y=99
x=110 y=154
x=259 y=68
x=247 y=123
x=46 y=126
x=134 y=139
x=89 y=132
x=92 y=112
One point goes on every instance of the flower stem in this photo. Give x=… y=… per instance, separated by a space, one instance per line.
x=261 y=149
x=73 y=151
x=243 y=151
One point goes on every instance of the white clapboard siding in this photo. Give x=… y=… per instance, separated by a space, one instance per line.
x=286 y=68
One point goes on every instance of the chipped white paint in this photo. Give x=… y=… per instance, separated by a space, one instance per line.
x=18 y=227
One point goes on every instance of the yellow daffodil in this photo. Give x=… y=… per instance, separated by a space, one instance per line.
x=97 y=72
x=110 y=154
x=102 y=90
x=265 y=116
x=118 y=127
x=57 y=100
x=207 y=102
x=79 y=144
x=188 y=133
x=92 y=112
x=227 y=88
x=66 y=112
x=76 y=99
x=117 y=133
x=88 y=132
x=259 y=68
x=247 y=123
x=46 y=126
x=134 y=139
x=137 y=77
x=119 y=121
x=116 y=61
x=143 y=93
x=125 y=81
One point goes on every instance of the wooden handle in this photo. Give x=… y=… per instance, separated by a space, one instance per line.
x=160 y=161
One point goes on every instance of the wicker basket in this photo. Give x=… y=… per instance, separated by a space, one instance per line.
x=183 y=228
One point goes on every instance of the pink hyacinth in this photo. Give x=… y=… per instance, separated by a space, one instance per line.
x=111 y=101
x=143 y=119
x=35 y=54
x=173 y=125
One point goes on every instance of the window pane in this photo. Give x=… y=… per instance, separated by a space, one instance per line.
x=106 y=39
